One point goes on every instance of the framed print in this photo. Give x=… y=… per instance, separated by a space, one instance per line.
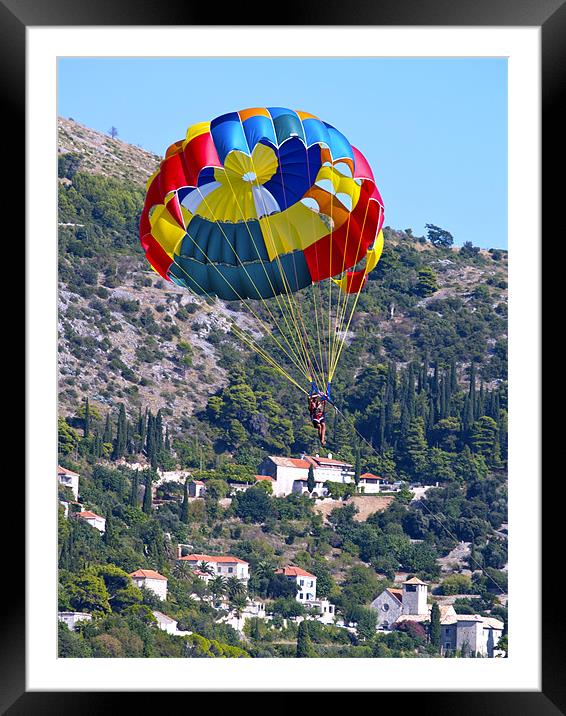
x=282 y=422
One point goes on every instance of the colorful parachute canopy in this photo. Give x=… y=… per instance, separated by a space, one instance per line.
x=262 y=202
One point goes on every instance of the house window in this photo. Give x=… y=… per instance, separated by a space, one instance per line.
x=302 y=582
x=301 y=595
x=385 y=607
x=230 y=570
x=447 y=645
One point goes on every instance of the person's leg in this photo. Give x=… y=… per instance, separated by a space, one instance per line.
x=322 y=433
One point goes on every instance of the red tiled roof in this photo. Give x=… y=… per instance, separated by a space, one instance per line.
x=370 y=476
x=289 y=462
x=209 y=558
x=397 y=593
x=414 y=580
x=86 y=514
x=292 y=571
x=263 y=477
x=64 y=471
x=147 y=574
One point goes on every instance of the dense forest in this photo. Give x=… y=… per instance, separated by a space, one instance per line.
x=152 y=380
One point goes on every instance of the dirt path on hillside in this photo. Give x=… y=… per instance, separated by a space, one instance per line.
x=366 y=504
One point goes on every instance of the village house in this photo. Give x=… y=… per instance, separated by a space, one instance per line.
x=470 y=634
x=222 y=566
x=370 y=484
x=253 y=609
x=70 y=479
x=306 y=593
x=152 y=580
x=93 y=520
x=71 y=619
x=291 y=474
x=168 y=624
x=305 y=581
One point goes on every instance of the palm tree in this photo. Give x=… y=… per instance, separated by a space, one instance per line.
x=218 y=587
x=238 y=603
x=182 y=570
x=206 y=568
x=235 y=588
x=264 y=569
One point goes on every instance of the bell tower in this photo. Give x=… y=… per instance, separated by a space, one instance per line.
x=414 y=596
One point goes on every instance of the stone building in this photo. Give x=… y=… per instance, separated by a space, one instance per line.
x=469 y=634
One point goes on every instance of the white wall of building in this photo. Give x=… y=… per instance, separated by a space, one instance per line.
x=157 y=586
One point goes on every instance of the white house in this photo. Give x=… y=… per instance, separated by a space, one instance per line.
x=93 y=520
x=369 y=483
x=165 y=623
x=68 y=478
x=72 y=618
x=223 y=566
x=470 y=633
x=152 y=580
x=253 y=609
x=168 y=624
x=305 y=581
x=326 y=610
x=290 y=474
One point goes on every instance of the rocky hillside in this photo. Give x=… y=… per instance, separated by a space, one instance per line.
x=100 y=154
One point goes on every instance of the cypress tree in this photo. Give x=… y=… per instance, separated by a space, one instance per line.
x=150 y=437
x=390 y=402
x=134 y=491
x=159 y=431
x=453 y=377
x=472 y=391
x=304 y=645
x=311 y=484
x=107 y=434
x=185 y=504
x=86 y=430
x=481 y=401
x=147 y=501
x=358 y=466
x=435 y=629
x=380 y=437
x=121 y=434
x=142 y=427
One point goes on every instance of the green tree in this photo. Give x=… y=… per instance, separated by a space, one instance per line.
x=185 y=504
x=147 y=500
x=311 y=484
x=427 y=283
x=439 y=237
x=305 y=649
x=68 y=437
x=435 y=628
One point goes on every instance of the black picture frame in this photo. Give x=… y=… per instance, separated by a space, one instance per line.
x=550 y=16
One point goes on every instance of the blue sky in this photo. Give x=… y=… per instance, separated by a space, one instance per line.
x=434 y=130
